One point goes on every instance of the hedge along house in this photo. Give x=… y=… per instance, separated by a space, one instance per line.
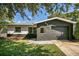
x=55 y=28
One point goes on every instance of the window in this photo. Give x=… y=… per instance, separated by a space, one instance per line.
x=30 y=30
x=52 y=27
x=17 y=29
x=41 y=30
x=34 y=31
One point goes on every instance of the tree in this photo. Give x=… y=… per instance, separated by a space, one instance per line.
x=8 y=11
x=77 y=31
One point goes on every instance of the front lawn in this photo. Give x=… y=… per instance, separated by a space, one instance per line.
x=12 y=48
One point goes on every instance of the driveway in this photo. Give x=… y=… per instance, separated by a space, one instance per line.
x=68 y=47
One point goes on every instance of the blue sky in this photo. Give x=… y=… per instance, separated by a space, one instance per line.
x=39 y=17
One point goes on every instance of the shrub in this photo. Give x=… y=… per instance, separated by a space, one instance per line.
x=29 y=36
x=77 y=31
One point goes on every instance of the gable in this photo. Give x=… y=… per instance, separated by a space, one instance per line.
x=55 y=22
x=56 y=18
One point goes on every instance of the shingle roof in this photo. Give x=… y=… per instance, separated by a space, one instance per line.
x=58 y=18
x=20 y=24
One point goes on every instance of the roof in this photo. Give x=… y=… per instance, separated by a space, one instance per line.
x=58 y=18
x=20 y=24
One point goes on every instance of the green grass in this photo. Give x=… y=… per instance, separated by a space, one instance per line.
x=11 y=48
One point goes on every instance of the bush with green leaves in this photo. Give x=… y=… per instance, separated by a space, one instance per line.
x=77 y=31
x=29 y=36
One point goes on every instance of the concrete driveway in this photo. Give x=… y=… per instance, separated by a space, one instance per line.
x=68 y=47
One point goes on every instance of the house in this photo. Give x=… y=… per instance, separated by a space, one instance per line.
x=14 y=30
x=55 y=28
x=49 y=29
x=20 y=30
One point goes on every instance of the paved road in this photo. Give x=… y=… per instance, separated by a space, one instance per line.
x=69 y=48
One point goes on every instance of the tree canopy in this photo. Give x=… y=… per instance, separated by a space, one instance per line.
x=8 y=11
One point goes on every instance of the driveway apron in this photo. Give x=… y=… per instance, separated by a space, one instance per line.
x=68 y=47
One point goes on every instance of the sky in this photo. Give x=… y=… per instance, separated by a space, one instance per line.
x=39 y=17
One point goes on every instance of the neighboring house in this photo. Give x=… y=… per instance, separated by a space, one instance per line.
x=49 y=29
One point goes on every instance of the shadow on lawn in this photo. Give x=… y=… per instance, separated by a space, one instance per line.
x=10 y=48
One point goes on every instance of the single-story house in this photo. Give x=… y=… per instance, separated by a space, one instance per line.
x=49 y=29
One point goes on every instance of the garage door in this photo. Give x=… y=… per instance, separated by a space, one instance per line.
x=59 y=32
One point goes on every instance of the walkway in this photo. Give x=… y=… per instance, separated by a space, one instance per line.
x=42 y=42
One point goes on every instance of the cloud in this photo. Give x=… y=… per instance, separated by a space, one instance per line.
x=18 y=21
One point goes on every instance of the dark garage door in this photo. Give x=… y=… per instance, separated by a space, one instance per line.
x=60 y=32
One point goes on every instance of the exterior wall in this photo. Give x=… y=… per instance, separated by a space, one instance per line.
x=11 y=29
x=44 y=36
x=2 y=34
x=74 y=26
x=47 y=25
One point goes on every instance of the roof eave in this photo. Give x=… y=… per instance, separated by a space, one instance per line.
x=62 y=19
